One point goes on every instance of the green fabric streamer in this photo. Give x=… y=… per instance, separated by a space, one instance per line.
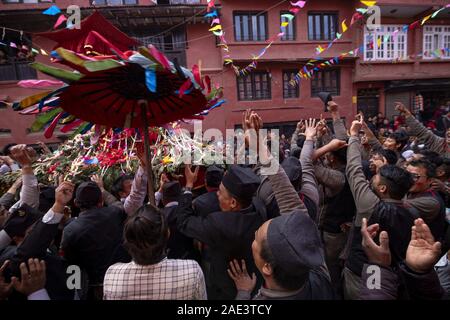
x=59 y=74
x=42 y=119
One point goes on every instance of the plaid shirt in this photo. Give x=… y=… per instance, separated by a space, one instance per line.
x=168 y=280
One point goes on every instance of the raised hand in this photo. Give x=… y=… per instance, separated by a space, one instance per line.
x=423 y=252
x=337 y=144
x=310 y=129
x=240 y=276
x=355 y=128
x=23 y=155
x=191 y=176
x=98 y=180
x=63 y=195
x=32 y=279
x=400 y=107
x=378 y=254
x=5 y=288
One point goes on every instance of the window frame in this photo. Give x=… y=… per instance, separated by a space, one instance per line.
x=322 y=28
x=393 y=43
x=296 y=87
x=431 y=30
x=252 y=75
x=294 y=27
x=250 y=26
x=335 y=92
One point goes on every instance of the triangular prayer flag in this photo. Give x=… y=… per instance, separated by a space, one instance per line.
x=218 y=33
x=350 y=52
x=12 y=45
x=405 y=28
x=52 y=11
x=361 y=10
x=369 y=3
x=60 y=20
x=212 y=14
x=34 y=51
x=344 y=26
x=287 y=16
x=436 y=12
x=414 y=25
x=379 y=42
x=44 y=52
x=284 y=24
x=300 y=4
x=217 y=27
x=425 y=19
x=338 y=35
x=215 y=21
x=294 y=10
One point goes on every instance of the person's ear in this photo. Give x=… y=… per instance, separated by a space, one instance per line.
x=267 y=269
x=233 y=203
x=382 y=188
x=440 y=173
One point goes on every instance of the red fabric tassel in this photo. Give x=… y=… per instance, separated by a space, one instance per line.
x=49 y=131
x=71 y=125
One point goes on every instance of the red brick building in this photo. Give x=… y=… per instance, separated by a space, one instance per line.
x=370 y=81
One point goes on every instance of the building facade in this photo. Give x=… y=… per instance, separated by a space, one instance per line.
x=414 y=61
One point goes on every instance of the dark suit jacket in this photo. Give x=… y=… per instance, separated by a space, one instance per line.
x=179 y=245
x=206 y=203
x=92 y=240
x=229 y=235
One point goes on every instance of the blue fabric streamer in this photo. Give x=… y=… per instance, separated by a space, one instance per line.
x=150 y=79
x=50 y=95
x=212 y=14
x=52 y=11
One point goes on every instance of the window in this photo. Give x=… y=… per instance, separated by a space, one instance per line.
x=255 y=86
x=289 y=31
x=327 y=81
x=436 y=38
x=290 y=91
x=250 y=26
x=385 y=43
x=322 y=26
x=15 y=57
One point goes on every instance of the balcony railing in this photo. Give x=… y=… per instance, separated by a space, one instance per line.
x=17 y=71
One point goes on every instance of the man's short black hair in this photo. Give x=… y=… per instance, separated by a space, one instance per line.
x=400 y=137
x=432 y=156
x=445 y=166
x=423 y=163
x=340 y=155
x=146 y=236
x=397 y=180
x=391 y=156
x=7 y=149
x=284 y=279
x=117 y=185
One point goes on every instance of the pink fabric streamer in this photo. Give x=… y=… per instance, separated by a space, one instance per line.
x=39 y=83
x=300 y=4
x=71 y=125
x=60 y=20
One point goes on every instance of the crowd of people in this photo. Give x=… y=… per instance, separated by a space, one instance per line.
x=344 y=204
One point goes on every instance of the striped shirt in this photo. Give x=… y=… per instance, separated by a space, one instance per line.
x=169 y=279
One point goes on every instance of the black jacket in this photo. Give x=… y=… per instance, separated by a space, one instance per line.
x=394 y=218
x=206 y=203
x=179 y=246
x=229 y=235
x=92 y=240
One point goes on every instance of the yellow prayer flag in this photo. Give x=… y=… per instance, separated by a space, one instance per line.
x=215 y=28
x=369 y=3
x=284 y=24
x=379 y=42
x=43 y=52
x=344 y=26
x=425 y=19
